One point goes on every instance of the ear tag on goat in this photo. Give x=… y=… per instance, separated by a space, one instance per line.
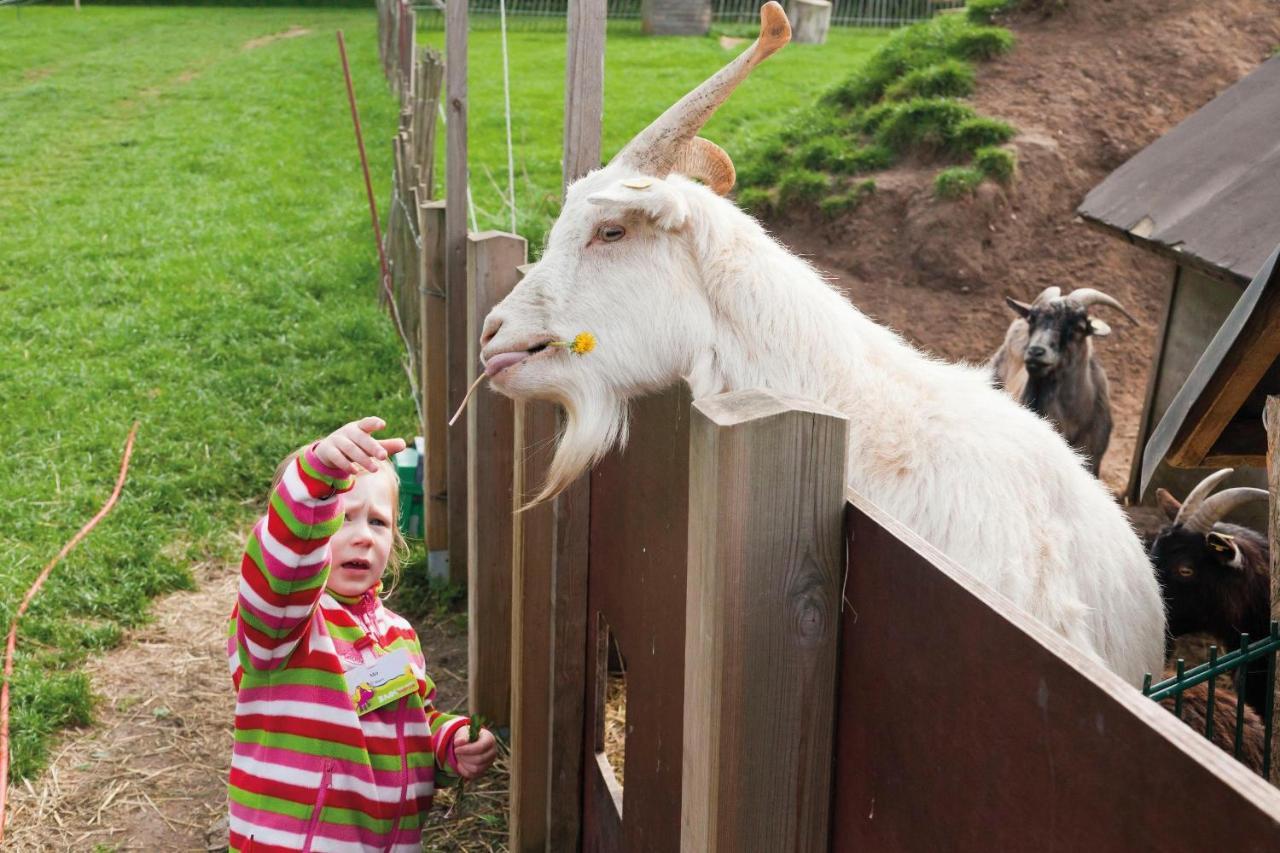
x=638 y=183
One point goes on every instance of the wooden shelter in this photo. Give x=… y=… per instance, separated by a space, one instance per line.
x=1203 y=195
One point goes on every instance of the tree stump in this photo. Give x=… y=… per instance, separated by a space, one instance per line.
x=809 y=20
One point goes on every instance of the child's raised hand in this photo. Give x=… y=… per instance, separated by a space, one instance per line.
x=352 y=447
x=474 y=757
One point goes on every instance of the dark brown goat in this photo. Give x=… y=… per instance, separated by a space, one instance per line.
x=1195 y=707
x=1046 y=363
x=1214 y=576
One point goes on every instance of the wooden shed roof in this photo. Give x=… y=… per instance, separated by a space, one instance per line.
x=1216 y=418
x=1206 y=191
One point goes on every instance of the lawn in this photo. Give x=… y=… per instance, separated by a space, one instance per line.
x=643 y=76
x=184 y=240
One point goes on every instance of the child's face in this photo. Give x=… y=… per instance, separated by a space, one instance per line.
x=361 y=547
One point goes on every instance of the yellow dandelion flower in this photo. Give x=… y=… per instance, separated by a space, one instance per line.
x=584 y=343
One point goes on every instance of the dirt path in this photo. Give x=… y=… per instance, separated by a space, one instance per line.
x=151 y=773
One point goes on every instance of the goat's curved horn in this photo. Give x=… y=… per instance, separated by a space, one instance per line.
x=664 y=145
x=1046 y=296
x=1216 y=507
x=1202 y=490
x=1087 y=296
x=708 y=162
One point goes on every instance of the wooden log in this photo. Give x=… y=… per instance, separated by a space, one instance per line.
x=810 y=20
x=456 y=274
x=532 y=543
x=766 y=503
x=435 y=399
x=492 y=262
x=1271 y=419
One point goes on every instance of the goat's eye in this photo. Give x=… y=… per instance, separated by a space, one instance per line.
x=1186 y=571
x=611 y=233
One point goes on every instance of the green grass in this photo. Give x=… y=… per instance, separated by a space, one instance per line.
x=643 y=76
x=184 y=240
x=904 y=100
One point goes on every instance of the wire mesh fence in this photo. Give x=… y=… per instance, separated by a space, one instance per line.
x=550 y=14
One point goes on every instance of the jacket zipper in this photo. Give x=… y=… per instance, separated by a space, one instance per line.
x=325 y=778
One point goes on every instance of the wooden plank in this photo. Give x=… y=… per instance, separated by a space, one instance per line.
x=492 y=261
x=966 y=725
x=571 y=511
x=583 y=87
x=636 y=589
x=456 y=177
x=532 y=541
x=1271 y=420
x=765 y=567
x=435 y=398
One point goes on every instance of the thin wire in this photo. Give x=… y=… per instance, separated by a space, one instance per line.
x=506 y=97
x=12 y=643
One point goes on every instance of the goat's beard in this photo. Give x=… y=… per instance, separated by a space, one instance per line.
x=595 y=422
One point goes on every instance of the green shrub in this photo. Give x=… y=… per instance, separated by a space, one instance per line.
x=870 y=158
x=982 y=11
x=763 y=166
x=801 y=184
x=823 y=152
x=998 y=164
x=836 y=204
x=981 y=42
x=755 y=200
x=979 y=132
x=949 y=79
x=923 y=123
x=956 y=182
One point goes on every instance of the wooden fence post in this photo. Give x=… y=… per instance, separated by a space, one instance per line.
x=435 y=398
x=532 y=542
x=493 y=259
x=1271 y=419
x=766 y=502
x=456 y=273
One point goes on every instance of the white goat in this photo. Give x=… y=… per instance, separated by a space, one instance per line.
x=676 y=282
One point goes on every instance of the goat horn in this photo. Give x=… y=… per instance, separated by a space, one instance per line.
x=1202 y=490
x=1216 y=507
x=1087 y=296
x=664 y=145
x=1046 y=296
x=708 y=162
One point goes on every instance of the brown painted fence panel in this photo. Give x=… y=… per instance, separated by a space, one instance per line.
x=639 y=540
x=965 y=725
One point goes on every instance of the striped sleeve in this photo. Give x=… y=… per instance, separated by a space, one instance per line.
x=286 y=562
x=443 y=727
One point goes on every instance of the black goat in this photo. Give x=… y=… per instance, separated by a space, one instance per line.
x=1046 y=363
x=1215 y=577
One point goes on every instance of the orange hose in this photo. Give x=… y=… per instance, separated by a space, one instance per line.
x=26 y=602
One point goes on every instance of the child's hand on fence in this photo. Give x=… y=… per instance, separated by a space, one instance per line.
x=473 y=757
x=352 y=447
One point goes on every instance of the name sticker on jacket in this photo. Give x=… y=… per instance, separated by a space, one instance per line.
x=385 y=680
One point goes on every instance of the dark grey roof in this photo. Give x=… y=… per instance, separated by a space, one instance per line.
x=1216 y=417
x=1207 y=191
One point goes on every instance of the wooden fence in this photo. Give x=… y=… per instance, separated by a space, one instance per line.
x=758 y=632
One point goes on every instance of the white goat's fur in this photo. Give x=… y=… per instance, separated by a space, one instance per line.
x=697 y=290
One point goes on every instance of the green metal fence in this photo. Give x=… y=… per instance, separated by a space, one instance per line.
x=1234 y=663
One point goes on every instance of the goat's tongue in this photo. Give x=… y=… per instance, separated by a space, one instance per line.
x=502 y=361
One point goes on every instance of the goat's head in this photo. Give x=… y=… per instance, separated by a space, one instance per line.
x=620 y=263
x=1206 y=568
x=1059 y=327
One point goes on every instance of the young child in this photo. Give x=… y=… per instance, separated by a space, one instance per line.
x=337 y=739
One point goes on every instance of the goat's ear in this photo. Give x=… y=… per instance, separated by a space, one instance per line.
x=1224 y=547
x=1098 y=327
x=653 y=197
x=1022 y=309
x=1168 y=503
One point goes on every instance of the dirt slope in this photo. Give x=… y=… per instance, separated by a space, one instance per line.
x=1087 y=86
